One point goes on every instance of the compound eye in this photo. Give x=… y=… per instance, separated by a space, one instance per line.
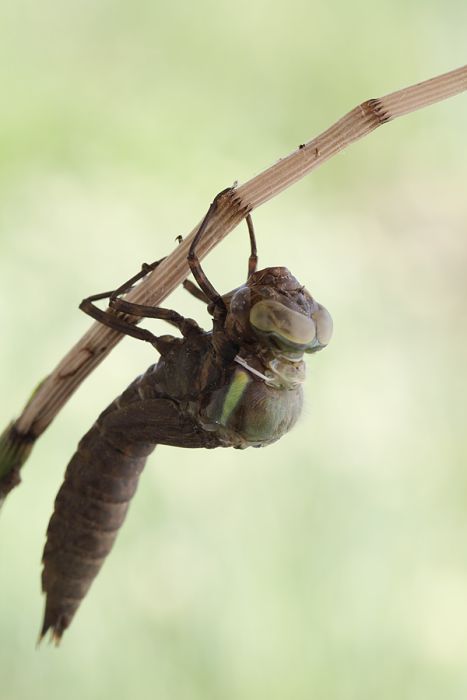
x=324 y=325
x=292 y=327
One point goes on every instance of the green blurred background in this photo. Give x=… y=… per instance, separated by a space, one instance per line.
x=333 y=564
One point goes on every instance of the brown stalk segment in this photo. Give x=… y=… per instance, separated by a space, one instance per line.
x=14 y=451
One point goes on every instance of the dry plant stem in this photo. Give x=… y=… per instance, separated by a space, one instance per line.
x=16 y=442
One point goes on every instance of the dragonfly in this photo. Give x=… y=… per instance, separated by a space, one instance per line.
x=238 y=385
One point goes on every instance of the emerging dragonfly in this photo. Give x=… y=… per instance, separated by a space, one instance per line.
x=237 y=385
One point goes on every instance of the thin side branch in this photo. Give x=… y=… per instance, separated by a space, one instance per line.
x=16 y=442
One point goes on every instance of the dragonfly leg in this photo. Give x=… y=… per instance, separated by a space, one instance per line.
x=207 y=288
x=253 y=259
x=89 y=307
x=120 y=324
x=123 y=325
x=195 y=291
x=87 y=303
x=186 y=326
x=193 y=260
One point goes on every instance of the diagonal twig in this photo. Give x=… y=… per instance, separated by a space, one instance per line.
x=18 y=439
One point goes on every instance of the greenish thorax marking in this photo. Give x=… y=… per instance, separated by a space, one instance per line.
x=234 y=394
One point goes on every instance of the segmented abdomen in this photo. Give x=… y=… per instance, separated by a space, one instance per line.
x=103 y=475
x=89 y=509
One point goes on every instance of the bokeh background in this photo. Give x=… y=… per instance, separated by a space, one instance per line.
x=333 y=564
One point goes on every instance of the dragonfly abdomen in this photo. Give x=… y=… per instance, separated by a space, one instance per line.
x=90 y=507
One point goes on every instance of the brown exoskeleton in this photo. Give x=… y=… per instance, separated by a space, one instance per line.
x=237 y=385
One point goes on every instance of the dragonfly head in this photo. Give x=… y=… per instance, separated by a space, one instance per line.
x=274 y=310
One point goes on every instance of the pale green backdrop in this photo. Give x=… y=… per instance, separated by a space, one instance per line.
x=332 y=565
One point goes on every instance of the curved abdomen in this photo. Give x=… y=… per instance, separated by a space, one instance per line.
x=90 y=507
x=99 y=483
